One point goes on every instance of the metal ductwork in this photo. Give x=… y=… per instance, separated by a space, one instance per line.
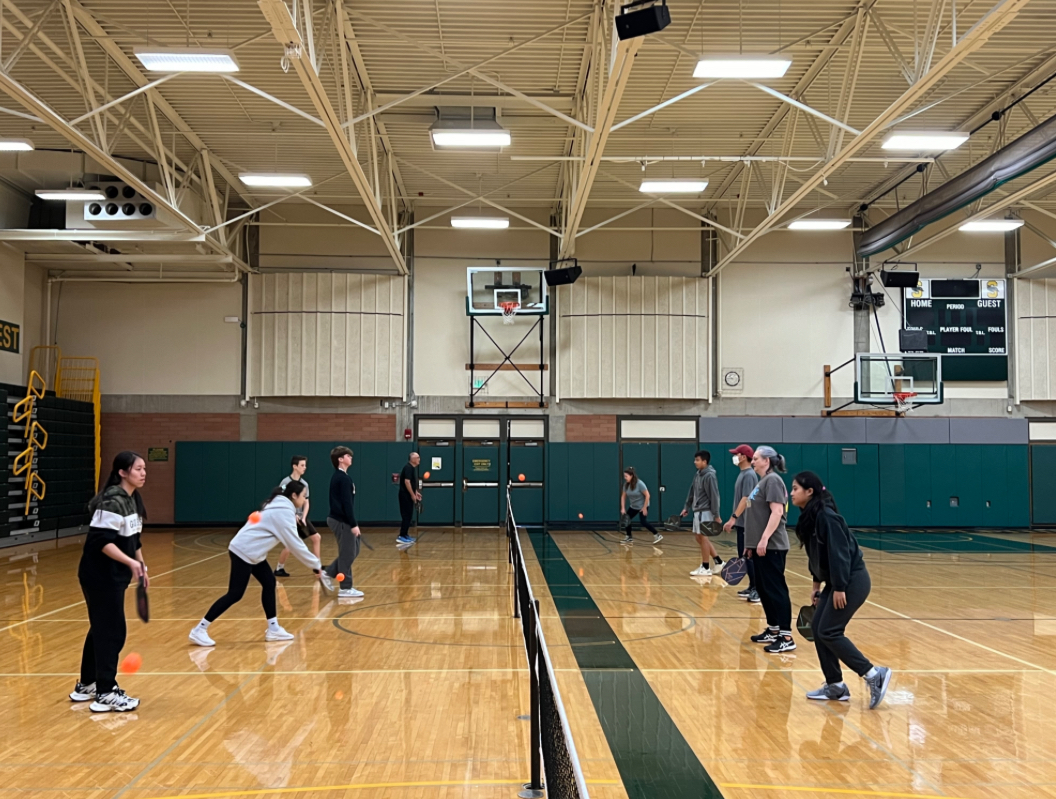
x=1028 y=152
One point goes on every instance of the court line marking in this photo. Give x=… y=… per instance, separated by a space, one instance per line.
x=361 y=786
x=76 y=604
x=938 y=629
x=744 y=786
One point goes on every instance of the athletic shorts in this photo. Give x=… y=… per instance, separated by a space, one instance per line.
x=305 y=529
x=704 y=523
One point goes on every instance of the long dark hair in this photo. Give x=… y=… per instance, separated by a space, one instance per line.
x=290 y=489
x=634 y=478
x=821 y=498
x=123 y=462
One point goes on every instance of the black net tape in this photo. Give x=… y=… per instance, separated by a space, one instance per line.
x=559 y=775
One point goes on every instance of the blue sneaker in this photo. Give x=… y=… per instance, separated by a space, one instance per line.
x=404 y=539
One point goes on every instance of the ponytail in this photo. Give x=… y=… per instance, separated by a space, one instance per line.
x=123 y=462
x=819 y=500
x=290 y=489
x=777 y=462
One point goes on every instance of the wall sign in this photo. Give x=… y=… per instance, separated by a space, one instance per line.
x=158 y=455
x=482 y=464
x=10 y=337
x=438 y=463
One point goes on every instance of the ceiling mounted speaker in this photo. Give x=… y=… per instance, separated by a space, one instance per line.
x=642 y=17
x=564 y=276
x=899 y=280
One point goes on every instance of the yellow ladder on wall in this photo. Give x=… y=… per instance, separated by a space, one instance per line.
x=78 y=379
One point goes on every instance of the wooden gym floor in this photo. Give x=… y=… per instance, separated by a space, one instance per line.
x=415 y=691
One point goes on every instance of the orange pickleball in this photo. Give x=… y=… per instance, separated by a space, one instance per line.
x=254 y=517
x=340 y=578
x=520 y=477
x=581 y=515
x=131 y=663
x=426 y=475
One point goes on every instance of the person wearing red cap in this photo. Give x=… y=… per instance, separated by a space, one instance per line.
x=747 y=480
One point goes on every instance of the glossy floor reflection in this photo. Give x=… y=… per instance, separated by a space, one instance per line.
x=413 y=691
x=970 y=631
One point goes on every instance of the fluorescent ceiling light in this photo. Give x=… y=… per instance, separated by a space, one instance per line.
x=87 y=195
x=186 y=59
x=482 y=222
x=819 y=224
x=471 y=137
x=741 y=67
x=15 y=145
x=275 y=180
x=924 y=141
x=991 y=225
x=673 y=186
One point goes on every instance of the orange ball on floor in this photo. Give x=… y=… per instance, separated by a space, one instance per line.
x=131 y=663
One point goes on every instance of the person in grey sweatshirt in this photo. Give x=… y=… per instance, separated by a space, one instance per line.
x=703 y=503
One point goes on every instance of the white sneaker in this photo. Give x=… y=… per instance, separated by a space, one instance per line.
x=83 y=693
x=700 y=571
x=277 y=635
x=201 y=637
x=117 y=701
x=349 y=592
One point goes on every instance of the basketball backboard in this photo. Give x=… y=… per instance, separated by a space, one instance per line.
x=488 y=287
x=879 y=377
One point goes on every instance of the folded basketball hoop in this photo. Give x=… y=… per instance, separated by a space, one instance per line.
x=509 y=311
x=904 y=401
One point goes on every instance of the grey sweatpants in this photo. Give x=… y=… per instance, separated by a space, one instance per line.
x=347 y=550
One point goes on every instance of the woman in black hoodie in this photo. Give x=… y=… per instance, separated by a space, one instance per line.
x=836 y=561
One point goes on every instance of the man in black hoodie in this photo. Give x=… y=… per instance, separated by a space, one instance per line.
x=703 y=503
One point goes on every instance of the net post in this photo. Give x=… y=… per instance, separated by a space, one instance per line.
x=828 y=386
x=534 y=789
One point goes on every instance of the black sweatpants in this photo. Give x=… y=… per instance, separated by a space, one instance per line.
x=749 y=563
x=830 y=624
x=406 y=513
x=106 y=636
x=239 y=581
x=645 y=522
x=772 y=588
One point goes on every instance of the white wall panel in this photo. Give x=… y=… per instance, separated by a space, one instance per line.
x=1035 y=341
x=327 y=335
x=630 y=337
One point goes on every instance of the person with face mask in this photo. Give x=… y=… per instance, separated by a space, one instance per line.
x=747 y=480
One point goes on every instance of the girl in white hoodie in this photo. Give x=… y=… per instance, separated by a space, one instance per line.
x=249 y=556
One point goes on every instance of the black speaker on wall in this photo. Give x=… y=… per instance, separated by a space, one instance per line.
x=642 y=17
x=899 y=280
x=564 y=276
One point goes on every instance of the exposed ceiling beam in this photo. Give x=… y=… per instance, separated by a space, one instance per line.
x=991 y=23
x=34 y=234
x=287 y=34
x=559 y=102
x=129 y=258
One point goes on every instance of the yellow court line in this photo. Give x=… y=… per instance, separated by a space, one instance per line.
x=76 y=604
x=845 y=791
x=362 y=786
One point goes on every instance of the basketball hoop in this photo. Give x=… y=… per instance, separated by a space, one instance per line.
x=904 y=401
x=509 y=311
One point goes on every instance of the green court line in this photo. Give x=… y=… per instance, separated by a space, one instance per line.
x=654 y=760
x=947 y=541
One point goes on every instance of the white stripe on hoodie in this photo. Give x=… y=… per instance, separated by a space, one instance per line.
x=277 y=525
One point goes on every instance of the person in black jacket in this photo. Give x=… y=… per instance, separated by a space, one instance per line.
x=835 y=561
x=112 y=557
x=342 y=521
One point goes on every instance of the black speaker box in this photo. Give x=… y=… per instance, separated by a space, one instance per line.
x=643 y=21
x=899 y=280
x=563 y=277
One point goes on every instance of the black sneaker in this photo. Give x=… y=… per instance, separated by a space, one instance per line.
x=754 y=597
x=83 y=693
x=281 y=572
x=784 y=643
x=767 y=636
x=744 y=594
x=627 y=540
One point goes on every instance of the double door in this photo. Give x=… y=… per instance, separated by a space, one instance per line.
x=666 y=468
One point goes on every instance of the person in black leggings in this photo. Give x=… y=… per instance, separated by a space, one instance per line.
x=835 y=561
x=634 y=501
x=276 y=523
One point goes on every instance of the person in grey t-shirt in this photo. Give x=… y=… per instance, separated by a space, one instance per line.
x=634 y=501
x=766 y=541
x=746 y=482
x=307 y=531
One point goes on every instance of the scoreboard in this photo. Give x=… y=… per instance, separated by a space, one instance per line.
x=966 y=322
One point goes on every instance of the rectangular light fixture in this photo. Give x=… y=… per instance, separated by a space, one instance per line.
x=991 y=225
x=481 y=222
x=923 y=141
x=275 y=180
x=673 y=186
x=186 y=59
x=741 y=67
x=15 y=145
x=471 y=137
x=73 y=195
x=819 y=224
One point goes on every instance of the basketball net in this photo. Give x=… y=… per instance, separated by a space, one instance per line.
x=904 y=402
x=509 y=311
